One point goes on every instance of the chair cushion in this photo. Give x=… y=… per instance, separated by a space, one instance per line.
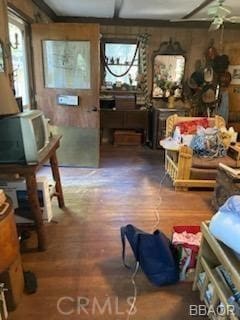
x=212 y=163
x=203 y=174
x=190 y=126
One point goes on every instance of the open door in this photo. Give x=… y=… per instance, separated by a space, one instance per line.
x=66 y=68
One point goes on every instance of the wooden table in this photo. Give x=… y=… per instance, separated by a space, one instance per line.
x=28 y=171
x=125 y=119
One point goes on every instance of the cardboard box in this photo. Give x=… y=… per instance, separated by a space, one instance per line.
x=16 y=190
x=127 y=138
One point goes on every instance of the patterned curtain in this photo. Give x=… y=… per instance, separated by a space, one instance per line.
x=143 y=85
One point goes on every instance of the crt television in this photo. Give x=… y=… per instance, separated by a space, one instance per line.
x=22 y=137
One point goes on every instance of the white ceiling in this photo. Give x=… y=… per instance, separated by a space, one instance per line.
x=82 y=8
x=135 y=9
x=157 y=9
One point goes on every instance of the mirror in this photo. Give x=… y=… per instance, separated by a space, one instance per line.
x=168 y=70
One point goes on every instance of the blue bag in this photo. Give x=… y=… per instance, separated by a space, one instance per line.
x=153 y=252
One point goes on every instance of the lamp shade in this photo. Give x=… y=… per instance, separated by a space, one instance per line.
x=8 y=104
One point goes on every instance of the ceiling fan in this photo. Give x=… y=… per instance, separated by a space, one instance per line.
x=217 y=14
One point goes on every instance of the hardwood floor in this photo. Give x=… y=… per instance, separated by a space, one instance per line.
x=81 y=273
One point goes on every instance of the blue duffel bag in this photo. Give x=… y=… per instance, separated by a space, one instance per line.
x=154 y=254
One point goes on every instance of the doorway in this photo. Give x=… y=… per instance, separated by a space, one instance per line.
x=66 y=65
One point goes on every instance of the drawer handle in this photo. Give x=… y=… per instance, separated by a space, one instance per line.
x=5 y=207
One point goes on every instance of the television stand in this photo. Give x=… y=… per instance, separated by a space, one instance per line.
x=28 y=171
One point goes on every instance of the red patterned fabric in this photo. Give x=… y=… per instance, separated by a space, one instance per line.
x=188 y=230
x=190 y=127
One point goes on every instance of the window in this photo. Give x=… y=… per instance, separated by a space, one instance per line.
x=66 y=64
x=17 y=36
x=121 y=59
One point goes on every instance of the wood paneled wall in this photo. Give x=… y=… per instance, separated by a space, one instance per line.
x=193 y=41
x=25 y=6
x=233 y=51
x=29 y=10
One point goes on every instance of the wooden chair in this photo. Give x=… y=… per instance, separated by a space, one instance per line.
x=189 y=171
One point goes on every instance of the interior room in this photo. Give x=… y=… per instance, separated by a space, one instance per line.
x=119 y=159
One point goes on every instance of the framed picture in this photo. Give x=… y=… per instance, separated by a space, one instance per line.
x=66 y=64
x=235 y=73
x=2 y=64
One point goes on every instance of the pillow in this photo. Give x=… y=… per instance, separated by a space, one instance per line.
x=225 y=224
x=190 y=127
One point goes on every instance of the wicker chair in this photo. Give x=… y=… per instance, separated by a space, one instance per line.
x=187 y=170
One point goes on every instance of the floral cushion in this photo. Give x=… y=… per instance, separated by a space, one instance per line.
x=190 y=127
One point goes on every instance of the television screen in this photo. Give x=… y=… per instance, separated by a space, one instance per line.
x=22 y=137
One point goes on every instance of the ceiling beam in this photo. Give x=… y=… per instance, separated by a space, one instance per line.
x=144 y=22
x=197 y=9
x=132 y=22
x=46 y=9
x=117 y=8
